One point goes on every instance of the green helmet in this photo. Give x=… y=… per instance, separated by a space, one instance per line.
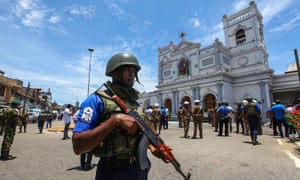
x=121 y=59
x=16 y=101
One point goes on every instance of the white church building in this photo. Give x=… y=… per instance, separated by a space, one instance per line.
x=221 y=72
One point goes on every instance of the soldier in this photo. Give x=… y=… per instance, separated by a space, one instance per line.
x=41 y=121
x=186 y=115
x=12 y=116
x=23 y=123
x=215 y=118
x=179 y=117
x=246 y=123
x=2 y=125
x=252 y=113
x=102 y=124
x=156 y=113
x=44 y=116
x=239 y=119
x=197 y=114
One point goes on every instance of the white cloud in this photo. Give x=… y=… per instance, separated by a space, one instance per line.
x=291 y=24
x=116 y=10
x=194 y=23
x=55 y=19
x=241 y=4
x=27 y=4
x=270 y=9
x=33 y=18
x=85 y=11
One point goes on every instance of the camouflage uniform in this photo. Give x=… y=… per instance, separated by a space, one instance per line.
x=156 y=113
x=2 y=124
x=197 y=114
x=179 y=116
x=252 y=113
x=186 y=115
x=12 y=117
x=23 y=122
x=44 y=116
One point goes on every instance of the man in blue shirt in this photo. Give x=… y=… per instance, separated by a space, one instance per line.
x=278 y=110
x=223 y=113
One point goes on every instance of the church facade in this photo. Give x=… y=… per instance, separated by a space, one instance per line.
x=222 y=73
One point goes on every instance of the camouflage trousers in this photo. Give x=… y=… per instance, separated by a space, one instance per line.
x=8 y=138
x=198 y=125
x=186 y=126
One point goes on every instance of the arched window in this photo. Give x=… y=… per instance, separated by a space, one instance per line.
x=240 y=37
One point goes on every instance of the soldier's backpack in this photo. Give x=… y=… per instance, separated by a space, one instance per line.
x=251 y=110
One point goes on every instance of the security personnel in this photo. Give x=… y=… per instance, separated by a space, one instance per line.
x=2 y=124
x=179 y=117
x=197 y=114
x=102 y=126
x=186 y=116
x=42 y=118
x=252 y=113
x=12 y=116
x=23 y=123
x=156 y=114
x=223 y=113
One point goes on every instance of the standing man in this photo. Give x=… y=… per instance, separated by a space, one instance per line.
x=186 y=116
x=197 y=114
x=163 y=117
x=156 y=114
x=223 y=114
x=67 y=116
x=252 y=114
x=11 y=116
x=41 y=120
x=179 y=117
x=167 y=118
x=239 y=119
x=24 y=118
x=278 y=109
x=215 y=117
x=102 y=125
x=230 y=116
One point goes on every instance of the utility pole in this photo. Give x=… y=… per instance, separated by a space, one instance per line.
x=24 y=105
x=297 y=63
x=91 y=50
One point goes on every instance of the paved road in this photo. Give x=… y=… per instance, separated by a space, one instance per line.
x=46 y=156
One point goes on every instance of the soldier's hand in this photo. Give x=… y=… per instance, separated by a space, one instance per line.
x=161 y=153
x=126 y=122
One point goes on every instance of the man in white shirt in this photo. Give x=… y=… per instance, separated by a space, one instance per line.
x=67 y=118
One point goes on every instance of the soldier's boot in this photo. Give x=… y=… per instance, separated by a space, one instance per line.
x=253 y=139
x=4 y=155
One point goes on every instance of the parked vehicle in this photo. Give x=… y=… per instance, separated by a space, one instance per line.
x=33 y=114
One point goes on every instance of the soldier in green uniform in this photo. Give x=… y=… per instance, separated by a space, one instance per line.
x=23 y=122
x=179 y=116
x=43 y=117
x=11 y=116
x=102 y=125
x=197 y=114
x=1 y=122
x=186 y=115
x=156 y=113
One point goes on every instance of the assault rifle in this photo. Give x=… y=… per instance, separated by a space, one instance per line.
x=148 y=136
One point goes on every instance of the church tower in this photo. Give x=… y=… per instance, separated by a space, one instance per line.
x=245 y=38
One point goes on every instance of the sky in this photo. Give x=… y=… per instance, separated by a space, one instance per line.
x=46 y=42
